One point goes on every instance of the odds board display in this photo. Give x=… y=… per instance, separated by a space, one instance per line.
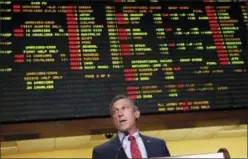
x=66 y=59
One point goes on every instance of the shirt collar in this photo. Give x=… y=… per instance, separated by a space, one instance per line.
x=121 y=135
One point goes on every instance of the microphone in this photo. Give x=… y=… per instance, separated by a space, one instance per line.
x=125 y=134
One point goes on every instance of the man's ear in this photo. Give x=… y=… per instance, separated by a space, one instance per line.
x=137 y=114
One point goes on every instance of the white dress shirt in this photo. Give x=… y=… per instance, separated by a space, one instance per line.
x=126 y=144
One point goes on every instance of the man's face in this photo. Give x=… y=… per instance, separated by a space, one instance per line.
x=124 y=115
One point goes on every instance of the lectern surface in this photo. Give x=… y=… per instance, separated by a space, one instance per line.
x=205 y=155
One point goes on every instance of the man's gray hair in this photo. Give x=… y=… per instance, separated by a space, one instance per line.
x=122 y=96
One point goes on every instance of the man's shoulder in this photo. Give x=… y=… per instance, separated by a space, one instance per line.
x=154 y=139
x=159 y=145
x=104 y=146
x=105 y=150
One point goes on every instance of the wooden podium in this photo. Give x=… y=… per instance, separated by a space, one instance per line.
x=221 y=153
x=206 y=155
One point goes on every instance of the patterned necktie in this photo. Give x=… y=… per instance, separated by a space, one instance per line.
x=134 y=148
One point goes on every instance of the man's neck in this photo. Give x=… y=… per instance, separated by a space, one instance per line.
x=130 y=132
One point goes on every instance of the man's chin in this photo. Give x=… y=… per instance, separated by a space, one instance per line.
x=123 y=130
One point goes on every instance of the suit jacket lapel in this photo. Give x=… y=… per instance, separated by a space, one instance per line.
x=148 y=146
x=116 y=144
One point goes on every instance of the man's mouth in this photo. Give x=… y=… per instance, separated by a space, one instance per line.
x=122 y=121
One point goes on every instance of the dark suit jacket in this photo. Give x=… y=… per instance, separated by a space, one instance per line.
x=154 y=148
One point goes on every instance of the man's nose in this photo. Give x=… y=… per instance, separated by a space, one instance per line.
x=120 y=113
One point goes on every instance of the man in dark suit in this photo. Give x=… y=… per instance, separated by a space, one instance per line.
x=128 y=143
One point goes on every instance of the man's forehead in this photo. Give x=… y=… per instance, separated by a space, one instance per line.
x=122 y=102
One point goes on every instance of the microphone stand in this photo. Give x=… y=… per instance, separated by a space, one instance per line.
x=117 y=155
